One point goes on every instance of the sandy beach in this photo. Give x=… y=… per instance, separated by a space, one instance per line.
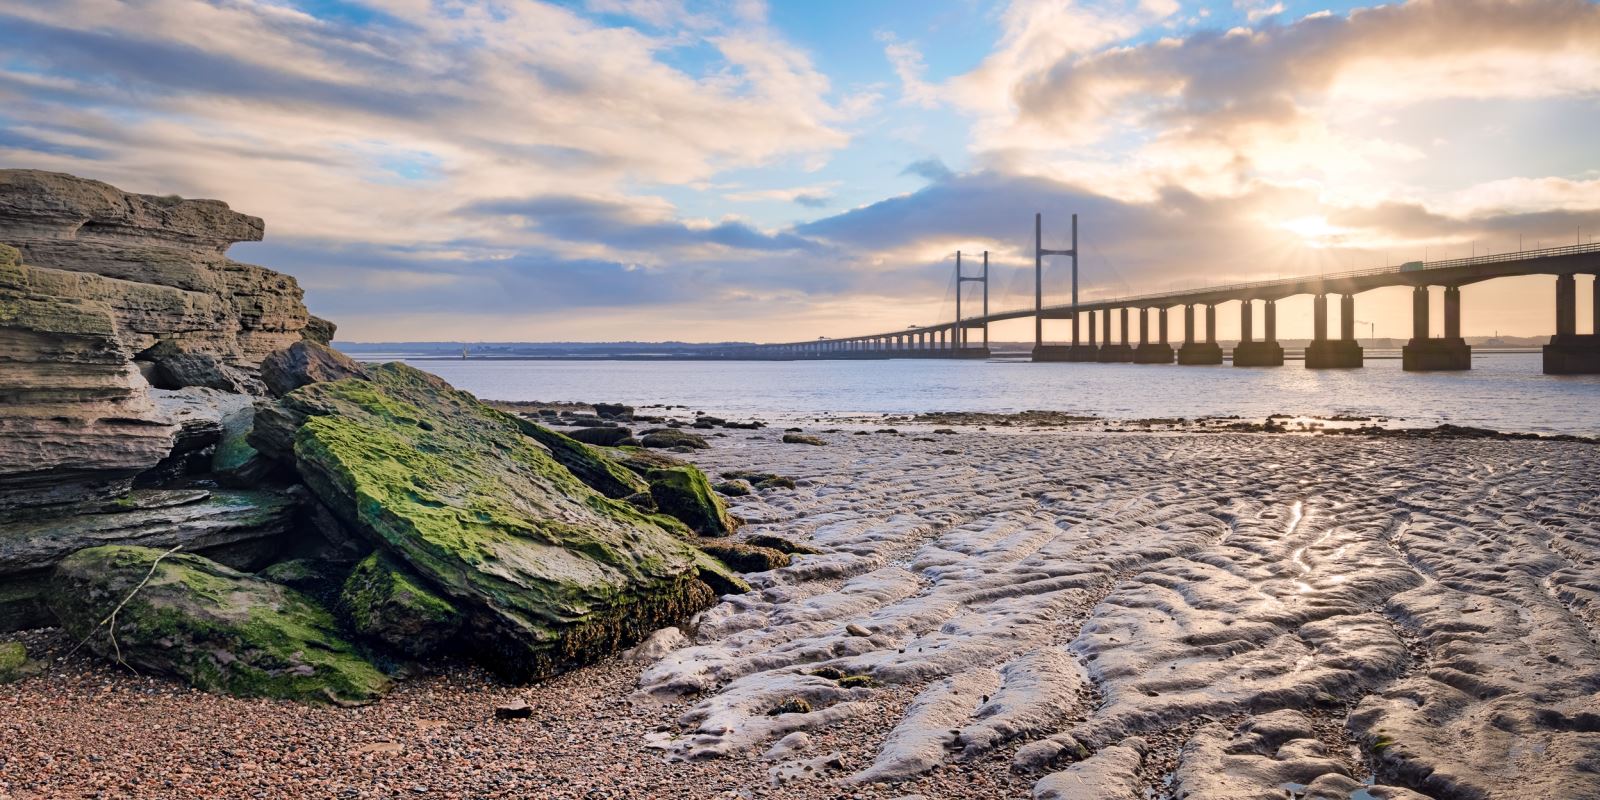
x=1047 y=614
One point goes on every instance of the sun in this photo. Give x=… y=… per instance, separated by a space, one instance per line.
x=1315 y=231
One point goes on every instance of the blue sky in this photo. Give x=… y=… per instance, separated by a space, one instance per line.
x=739 y=169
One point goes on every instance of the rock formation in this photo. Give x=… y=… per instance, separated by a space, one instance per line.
x=101 y=293
x=168 y=413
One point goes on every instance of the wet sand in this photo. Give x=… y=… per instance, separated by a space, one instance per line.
x=1048 y=614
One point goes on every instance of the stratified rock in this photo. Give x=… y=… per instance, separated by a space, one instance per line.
x=95 y=277
x=218 y=629
x=240 y=528
x=239 y=312
x=303 y=362
x=75 y=420
x=672 y=438
x=746 y=558
x=548 y=573
x=591 y=466
x=684 y=494
x=605 y=437
x=198 y=520
x=318 y=330
x=384 y=602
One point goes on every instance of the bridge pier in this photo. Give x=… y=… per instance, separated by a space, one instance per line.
x=1118 y=353
x=1427 y=354
x=1194 y=352
x=1569 y=352
x=1325 y=353
x=1265 y=353
x=1152 y=352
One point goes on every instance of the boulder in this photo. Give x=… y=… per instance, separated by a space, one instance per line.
x=800 y=438
x=303 y=362
x=613 y=411
x=383 y=601
x=746 y=557
x=220 y=630
x=665 y=438
x=683 y=493
x=738 y=488
x=605 y=437
x=177 y=366
x=546 y=572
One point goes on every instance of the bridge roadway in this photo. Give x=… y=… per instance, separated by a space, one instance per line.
x=1568 y=352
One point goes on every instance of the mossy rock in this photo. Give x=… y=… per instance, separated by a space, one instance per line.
x=588 y=464
x=220 y=630
x=9 y=256
x=383 y=601
x=746 y=558
x=761 y=480
x=547 y=572
x=719 y=576
x=733 y=488
x=684 y=494
x=14 y=663
x=781 y=544
x=668 y=438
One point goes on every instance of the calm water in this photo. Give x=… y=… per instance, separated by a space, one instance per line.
x=1502 y=391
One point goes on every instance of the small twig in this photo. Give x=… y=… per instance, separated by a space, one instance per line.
x=111 y=619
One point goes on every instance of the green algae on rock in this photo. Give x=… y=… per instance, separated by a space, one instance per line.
x=14 y=663
x=685 y=494
x=746 y=557
x=547 y=572
x=586 y=463
x=221 y=630
x=384 y=602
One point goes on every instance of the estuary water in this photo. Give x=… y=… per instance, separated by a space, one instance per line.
x=1503 y=391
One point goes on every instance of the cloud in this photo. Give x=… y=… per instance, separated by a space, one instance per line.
x=623 y=227
x=930 y=168
x=814 y=196
x=1305 y=100
x=497 y=96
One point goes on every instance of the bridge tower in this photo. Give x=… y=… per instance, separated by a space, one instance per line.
x=959 y=348
x=1077 y=351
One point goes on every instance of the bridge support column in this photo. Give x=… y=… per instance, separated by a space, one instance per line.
x=1080 y=352
x=1195 y=352
x=1267 y=352
x=1152 y=352
x=1571 y=353
x=1426 y=354
x=1115 y=352
x=1324 y=353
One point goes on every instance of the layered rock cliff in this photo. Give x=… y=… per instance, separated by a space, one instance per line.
x=102 y=294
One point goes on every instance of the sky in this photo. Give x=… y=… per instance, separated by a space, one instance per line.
x=769 y=171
